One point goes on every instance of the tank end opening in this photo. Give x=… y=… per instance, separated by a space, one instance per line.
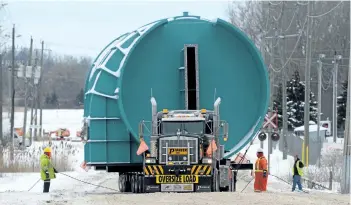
x=191 y=78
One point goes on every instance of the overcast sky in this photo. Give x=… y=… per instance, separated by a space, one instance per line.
x=85 y=27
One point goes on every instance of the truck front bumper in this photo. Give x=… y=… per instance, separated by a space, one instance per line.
x=151 y=185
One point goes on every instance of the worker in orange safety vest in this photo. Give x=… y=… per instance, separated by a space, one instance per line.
x=261 y=172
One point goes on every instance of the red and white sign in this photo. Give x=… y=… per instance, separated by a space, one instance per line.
x=269 y=121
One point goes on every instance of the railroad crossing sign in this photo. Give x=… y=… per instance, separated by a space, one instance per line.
x=270 y=121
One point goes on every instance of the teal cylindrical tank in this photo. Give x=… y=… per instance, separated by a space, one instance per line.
x=150 y=62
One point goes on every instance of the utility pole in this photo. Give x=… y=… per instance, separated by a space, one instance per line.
x=346 y=181
x=285 y=117
x=307 y=86
x=1 y=99
x=285 y=121
x=13 y=94
x=25 y=92
x=335 y=95
x=321 y=56
x=36 y=97
x=40 y=90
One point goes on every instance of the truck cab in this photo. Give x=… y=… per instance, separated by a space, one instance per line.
x=184 y=151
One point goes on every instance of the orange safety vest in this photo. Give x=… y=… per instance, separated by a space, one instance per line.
x=260 y=181
x=261 y=165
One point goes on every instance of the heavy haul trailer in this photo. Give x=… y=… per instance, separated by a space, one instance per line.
x=186 y=63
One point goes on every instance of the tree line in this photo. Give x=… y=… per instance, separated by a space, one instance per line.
x=63 y=79
x=267 y=23
x=295 y=89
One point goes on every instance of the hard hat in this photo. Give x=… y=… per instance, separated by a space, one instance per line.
x=260 y=150
x=47 y=150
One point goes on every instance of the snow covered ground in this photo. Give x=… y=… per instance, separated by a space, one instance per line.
x=65 y=190
x=52 y=119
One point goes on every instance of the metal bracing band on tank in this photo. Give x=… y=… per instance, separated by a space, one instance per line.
x=104 y=141
x=103 y=54
x=108 y=163
x=117 y=45
x=141 y=31
x=94 y=92
x=102 y=118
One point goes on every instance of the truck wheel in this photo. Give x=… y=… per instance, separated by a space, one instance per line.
x=141 y=184
x=128 y=183
x=136 y=182
x=132 y=182
x=121 y=183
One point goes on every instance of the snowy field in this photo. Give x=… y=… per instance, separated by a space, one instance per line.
x=65 y=190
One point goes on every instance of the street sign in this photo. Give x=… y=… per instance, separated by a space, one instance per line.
x=270 y=121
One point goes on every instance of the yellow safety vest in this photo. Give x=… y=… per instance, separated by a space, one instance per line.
x=299 y=170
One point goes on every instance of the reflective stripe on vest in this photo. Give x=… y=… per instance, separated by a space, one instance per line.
x=257 y=165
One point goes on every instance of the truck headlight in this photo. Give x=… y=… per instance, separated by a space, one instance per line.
x=150 y=160
x=206 y=160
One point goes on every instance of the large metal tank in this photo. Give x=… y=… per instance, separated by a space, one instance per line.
x=151 y=61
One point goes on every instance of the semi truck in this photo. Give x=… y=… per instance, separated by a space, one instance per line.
x=159 y=101
x=183 y=154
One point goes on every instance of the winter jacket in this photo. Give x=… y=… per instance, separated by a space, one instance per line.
x=46 y=166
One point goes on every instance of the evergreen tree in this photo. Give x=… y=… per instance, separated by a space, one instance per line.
x=295 y=90
x=48 y=99
x=80 y=97
x=54 y=98
x=342 y=99
x=277 y=104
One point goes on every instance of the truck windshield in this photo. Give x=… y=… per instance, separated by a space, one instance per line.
x=188 y=127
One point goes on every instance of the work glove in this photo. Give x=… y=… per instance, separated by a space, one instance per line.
x=47 y=175
x=55 y=170
x=264 y=173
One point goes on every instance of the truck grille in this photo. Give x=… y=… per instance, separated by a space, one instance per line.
x=178 y=143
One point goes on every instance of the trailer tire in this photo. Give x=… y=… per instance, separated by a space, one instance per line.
x=132 y=184
x=141 y=183
x=122 y=183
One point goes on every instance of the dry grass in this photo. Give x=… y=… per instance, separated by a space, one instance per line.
x=28 y=160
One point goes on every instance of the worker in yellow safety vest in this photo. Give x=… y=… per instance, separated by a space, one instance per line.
x=261 y=172
x=47 y=171
x=297 y=173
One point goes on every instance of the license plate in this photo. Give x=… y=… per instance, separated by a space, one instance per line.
x=172 y=179
x=177 y=151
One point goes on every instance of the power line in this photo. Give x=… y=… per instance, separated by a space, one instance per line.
x=317 y=16
x=298 y=40
x=275 y=4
